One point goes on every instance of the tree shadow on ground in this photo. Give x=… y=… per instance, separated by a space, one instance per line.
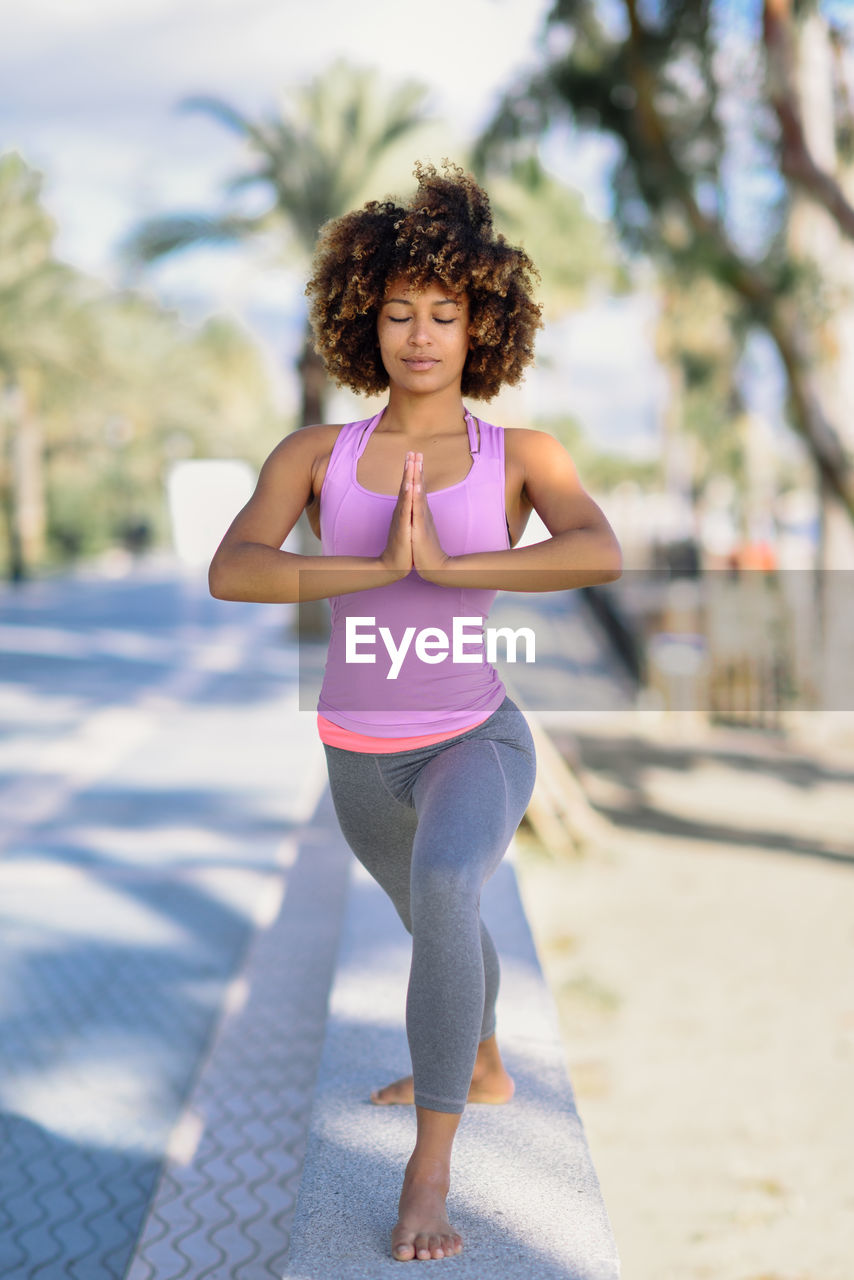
x=626 y=760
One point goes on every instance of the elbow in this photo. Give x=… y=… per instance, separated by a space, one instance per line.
x=617 y=566
x=217 y=580
x=614 y=571
x=612 y=561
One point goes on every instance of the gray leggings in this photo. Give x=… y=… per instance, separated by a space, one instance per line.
x=431 y=825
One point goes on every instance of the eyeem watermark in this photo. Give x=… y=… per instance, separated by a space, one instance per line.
x=432 y=645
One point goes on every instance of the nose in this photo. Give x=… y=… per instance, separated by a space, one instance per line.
x=420 y=333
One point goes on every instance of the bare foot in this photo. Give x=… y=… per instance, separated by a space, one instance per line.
x=490 y=1082
x=422 y=1231
x=494 y=1090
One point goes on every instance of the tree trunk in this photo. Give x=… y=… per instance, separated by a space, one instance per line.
x=313 y=383
x=776 y=315
x=24 y=498
x=313 y=615
x=817 y=234
x=14 y=564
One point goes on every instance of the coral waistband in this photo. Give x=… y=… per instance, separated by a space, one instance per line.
x=334 y=736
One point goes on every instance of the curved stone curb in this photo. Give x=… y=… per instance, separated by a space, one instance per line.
x=524 y=1192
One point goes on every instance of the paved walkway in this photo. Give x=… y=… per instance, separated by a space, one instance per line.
x=169 y=860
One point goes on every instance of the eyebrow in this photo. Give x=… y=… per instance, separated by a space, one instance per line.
x=446 y=302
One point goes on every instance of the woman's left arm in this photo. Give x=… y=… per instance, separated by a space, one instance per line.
x=581 y=551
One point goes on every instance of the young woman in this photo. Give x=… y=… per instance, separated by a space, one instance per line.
x=419 y=510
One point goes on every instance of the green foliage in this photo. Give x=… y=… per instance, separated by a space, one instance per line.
x=662 y=80
x=165 y=392
x=39 y=296
x=700 y=336
x=569 y=247
x=600 y=470
x=600 y=79
x=114 y=388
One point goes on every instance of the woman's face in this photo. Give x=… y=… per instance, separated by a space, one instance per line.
x=423 y=335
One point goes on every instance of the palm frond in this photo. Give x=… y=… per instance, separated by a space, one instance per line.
x=225 y=114
x=315 y=156
x=170 y=233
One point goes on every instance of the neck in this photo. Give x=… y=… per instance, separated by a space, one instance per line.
x=423 y=415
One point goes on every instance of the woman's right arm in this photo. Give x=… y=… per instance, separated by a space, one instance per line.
x=249 y=565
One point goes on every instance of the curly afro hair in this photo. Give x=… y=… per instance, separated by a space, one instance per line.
x=443 y=234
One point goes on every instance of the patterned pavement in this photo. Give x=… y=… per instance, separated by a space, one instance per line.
x=154 y=778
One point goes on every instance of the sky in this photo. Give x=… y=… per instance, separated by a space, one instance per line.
x=89 y=97
x=91 y=87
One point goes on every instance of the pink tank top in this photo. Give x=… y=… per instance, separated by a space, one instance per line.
x=383 y=677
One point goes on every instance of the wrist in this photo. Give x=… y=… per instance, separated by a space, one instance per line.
x=391 y=572
x=437 y=571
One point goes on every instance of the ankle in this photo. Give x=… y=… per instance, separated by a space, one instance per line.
x=432 y=1169
x=488 y=1058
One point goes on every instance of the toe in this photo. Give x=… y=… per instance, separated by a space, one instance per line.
x=399 y=1091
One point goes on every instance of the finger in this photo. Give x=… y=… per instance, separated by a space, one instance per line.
x=408 y=491
x=404 y=497
x=406 y=476
x=411 y=486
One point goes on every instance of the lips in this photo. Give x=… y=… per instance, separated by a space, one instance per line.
x=416 y=364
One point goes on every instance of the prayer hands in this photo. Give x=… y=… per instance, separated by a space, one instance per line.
x=427 y=553
x=412 y=539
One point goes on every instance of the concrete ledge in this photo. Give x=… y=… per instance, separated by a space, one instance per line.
x=524 y=1191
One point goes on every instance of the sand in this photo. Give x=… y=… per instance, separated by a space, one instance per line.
x=703 y=963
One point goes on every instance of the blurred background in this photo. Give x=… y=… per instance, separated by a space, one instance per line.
x=683 y=176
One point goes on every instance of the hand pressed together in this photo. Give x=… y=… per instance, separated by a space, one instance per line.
x=412 y=538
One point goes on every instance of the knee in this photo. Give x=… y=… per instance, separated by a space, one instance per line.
x=445 y=882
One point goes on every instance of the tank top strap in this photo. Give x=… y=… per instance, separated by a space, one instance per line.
x=362 y=437
x=474 y=433
x=339 y=473
x=484 y=438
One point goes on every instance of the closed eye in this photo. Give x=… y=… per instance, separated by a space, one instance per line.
x=404 y=319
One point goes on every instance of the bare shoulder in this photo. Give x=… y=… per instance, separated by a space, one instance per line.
x=529 y=440
x=302 y=453
x=537 y=453
x=315 y=440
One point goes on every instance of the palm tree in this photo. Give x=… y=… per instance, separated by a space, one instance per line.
x=44 y=340
x=315 y=159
